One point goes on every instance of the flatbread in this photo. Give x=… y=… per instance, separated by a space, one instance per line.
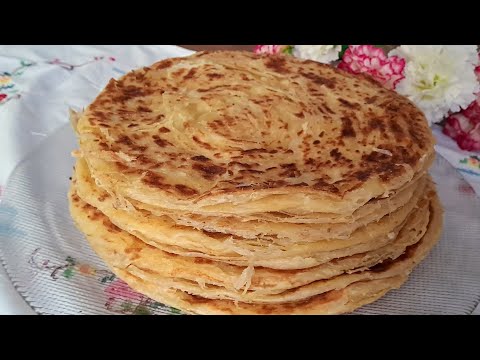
x=163 y=233
x=129 y=250
x=231 y=133
x=380 y=276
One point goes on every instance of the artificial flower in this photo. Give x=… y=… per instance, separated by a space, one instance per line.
x=372 y=60
x=464 y=127
x=439 y=79
x=269 y=49
x=464 y=131
x=472 y=112
x=321 y=53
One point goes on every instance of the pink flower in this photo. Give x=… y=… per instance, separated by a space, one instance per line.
x=465 y=131
x=3 y=97
x=464 y=126
x=473 y=110
x=120 y=290
x=373 y=61
x=268 y=49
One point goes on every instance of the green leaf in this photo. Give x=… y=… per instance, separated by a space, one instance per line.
x=344 y=48
x=68 y=273
x=126 y=306
x=70 y=260
x=288 y=50
x=107 y=279
x=155 y=305
x=142 y=310
x=175 y=311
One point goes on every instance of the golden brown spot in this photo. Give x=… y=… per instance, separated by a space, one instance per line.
x=110 y=227
x=290 y=170
x=213 y=88
x=130 y=92
x=215 y=76
x=361 y=175
x=348 y=104
x=160 y=142
x=251 y=171
x=102 y=197
x=121 y=167
x=94 y=214
x=199 y=260
x=336 y=154
x=153 y=179
x=320 y=80
x=201 y=143
x=347 y=127
x=125 y=140
x=142 y=108
x=133 y=250
x=328 y=109
x=164 y=64
x=185 y=190
x=277 y=63
x=375 y=124
x=209 y=171
x=200 y=158
x=190 y=74
x=179 y=72
x=323 y=185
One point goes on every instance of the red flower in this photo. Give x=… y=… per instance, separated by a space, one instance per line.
x=473 y=110
x=372 y=60
x=465 y=131
x=3 y=97
x=464 y=126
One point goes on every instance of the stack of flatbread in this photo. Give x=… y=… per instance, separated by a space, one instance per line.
x=234 y=183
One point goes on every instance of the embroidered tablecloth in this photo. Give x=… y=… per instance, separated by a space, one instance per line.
x=38 y=84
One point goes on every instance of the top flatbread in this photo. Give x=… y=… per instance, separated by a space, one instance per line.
x=239 y=133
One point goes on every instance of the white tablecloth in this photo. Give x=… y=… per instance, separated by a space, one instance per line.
x=39 y=83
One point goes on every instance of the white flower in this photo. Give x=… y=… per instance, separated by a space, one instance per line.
x=439 y=79
x=321 y=53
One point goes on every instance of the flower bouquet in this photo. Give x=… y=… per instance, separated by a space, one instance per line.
x=442 y=80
